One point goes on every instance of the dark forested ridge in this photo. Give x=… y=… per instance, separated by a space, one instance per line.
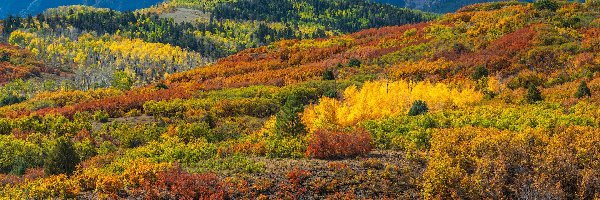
x=33 y=7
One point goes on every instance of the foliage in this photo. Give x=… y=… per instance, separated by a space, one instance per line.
x=583 y=90
x=383 y=99
x=418 y=108
x=62 y=157
x=533 y=94
x=338 y=145
x=288 y=121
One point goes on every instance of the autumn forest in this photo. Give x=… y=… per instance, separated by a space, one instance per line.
x=301 y=99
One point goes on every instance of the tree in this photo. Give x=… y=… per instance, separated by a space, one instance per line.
x=288 y=121
x=62 y=157
x=328 y=75
x=546 y=5
x=419 y=107
x=583 y=91
x=479 y=73
x=354 y=63
x=533 y=94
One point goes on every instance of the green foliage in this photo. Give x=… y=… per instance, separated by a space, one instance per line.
x=285 y=147
x=101 y=116
x=85 y=149
x=11 y=99
x=288 y=121
x=62 y=157
x=533 y=94
x=551 y=5
x=328 y=75
x=479 y=73
x=419 y=107
x=122 y=81
x=17 y=155
x=201 y=130
x=354 y=62
x=583 y=90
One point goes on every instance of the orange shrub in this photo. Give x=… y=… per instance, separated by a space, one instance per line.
x=333 y=144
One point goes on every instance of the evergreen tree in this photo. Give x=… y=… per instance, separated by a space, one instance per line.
x=583 y=91
x=288 y=121
x=328 y=75
x=533 y=94
x=62 y=157
x=419 y=107
x=479 y=73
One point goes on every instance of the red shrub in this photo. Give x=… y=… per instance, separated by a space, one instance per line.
x=334 y=145
x=179 y=184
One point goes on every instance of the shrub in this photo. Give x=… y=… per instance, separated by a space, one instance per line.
x=191 y=132
x=328 y=75
x=101 y=116
x=62 y=157
x=5 y=126
x=285 y=147
x=419 y=107
x=479 y=73
x=546 y=5
x=583 y=91
x=176 y=183
x=338 y=145
x=533 y=94
x=354 y=63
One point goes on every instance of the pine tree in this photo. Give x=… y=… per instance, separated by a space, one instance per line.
x=328 y=75
x=533 y=94
x=62 y=157
x=419 y=107
x=288 y=121
x=583 y=91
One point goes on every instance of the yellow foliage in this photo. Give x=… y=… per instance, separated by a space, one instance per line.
x=383 y=99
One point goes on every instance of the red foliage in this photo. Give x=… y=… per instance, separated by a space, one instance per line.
x=500 y=53
x=178 y=184
x=27 y=66
x=335 y=145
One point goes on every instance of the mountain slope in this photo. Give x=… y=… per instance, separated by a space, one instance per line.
x=436 y=6
x=33 y=7
x=455 y=108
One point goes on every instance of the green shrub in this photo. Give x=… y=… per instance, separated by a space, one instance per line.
x=583 y=91
x=479 y=73
x=285 y=147
x=5 y=126
x=62 y=157
x=419 y=107
x=193 y=131
x=328 y=75
x=533 y=95
x=101 y=116
x=354 y=63
x=546 y=5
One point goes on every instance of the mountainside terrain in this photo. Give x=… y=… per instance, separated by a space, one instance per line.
x=450 y=108
x=93 y=43
x=436 y=6
x=33 y=7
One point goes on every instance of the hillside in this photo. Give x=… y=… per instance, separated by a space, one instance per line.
x=453 y=108
x=95 y=44
x=436 y=6
x=34 y=7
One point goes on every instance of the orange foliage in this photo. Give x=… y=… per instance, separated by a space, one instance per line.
x=334 y=145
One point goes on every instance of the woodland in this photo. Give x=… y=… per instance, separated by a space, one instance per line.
x=302 y=99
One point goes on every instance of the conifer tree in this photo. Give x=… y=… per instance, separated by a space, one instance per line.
x=583 y=91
